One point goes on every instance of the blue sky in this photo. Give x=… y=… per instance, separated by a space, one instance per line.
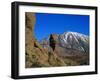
x=60 y=23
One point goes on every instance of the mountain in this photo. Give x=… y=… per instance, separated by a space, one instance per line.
x=69 y=40
x=74 y=40
x=70 y=45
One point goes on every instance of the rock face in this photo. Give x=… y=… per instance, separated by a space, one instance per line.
x=35 y=54
x=53 y=41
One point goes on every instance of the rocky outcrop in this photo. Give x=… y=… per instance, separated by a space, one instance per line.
x=35 y=54
x=53 y=41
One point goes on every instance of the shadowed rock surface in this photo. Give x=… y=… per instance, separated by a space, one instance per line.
x=52 y=41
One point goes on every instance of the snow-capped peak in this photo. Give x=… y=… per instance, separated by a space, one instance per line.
x=73 y=40
x=74 y=33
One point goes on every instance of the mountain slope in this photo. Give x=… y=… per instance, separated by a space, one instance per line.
x=69 y=45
